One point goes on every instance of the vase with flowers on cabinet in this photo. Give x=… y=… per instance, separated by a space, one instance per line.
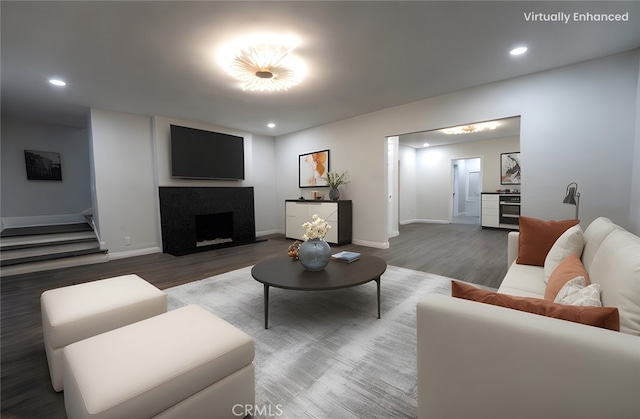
x=334 y=181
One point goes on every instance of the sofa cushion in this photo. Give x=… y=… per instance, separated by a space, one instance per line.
x=605 y=317
x=568 y=269
x=577 y=293
x=616 y=267
x=523 y=281
x=537 y=237
x=570 y=242
x=594 y=235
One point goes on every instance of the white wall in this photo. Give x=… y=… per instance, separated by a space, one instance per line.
x=358 y=145
x=408 y=185
x=393 y=187
x=33 y=199
x=634 y=208
x=259 y=166
x=578 y=125
x=125 y=188
x=433 y=167
x=131 y=160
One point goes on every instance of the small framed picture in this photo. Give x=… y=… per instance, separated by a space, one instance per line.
x=510 y=168
x=43 y=165
x=312 y=167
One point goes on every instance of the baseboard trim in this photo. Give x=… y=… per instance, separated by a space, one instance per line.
x=268 y=233
x=424 y=221
x=367 y=243
x=133 y=253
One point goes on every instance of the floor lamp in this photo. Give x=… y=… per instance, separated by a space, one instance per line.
x=573 y=197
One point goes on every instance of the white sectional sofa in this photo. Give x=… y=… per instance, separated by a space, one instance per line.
x=478 y=360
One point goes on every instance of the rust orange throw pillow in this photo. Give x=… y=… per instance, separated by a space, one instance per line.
x=537 y=238
x=605 y=317
x=568 y=269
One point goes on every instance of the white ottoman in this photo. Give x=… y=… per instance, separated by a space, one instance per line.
x=186 y=363
x=76 y=312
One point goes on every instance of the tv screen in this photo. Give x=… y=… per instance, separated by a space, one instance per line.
x=199 y=154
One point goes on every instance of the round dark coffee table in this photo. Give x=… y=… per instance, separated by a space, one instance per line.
x=283 y=272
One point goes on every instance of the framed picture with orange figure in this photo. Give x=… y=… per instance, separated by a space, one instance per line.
x=312 y=168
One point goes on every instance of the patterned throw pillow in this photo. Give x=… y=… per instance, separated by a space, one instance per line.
x=576 y=292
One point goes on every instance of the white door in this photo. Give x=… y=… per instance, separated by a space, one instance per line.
x=474 y=186
x=466 y=184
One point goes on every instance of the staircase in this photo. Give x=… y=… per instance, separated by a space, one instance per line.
x=38 y=248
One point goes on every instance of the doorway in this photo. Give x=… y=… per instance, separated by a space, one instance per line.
x=466 y=187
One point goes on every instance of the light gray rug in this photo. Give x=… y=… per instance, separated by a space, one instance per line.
x=325 y=354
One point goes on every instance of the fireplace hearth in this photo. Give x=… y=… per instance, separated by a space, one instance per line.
x=200 y=218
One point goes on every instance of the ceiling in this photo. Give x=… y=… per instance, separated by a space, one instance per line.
x=507 y=127
x=156 y=58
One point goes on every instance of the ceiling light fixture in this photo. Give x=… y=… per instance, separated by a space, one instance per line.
x=468 y=129
x=426 y=145
x=271 y=125
x=518 y=51
x=263 y=62
x=57 y=82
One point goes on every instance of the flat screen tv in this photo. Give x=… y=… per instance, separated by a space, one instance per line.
x=198 y=154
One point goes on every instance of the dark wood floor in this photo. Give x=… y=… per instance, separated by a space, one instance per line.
x=461 y=251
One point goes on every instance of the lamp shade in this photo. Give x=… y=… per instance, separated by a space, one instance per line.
x=571 y=195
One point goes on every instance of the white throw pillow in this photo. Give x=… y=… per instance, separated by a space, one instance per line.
x=576 y=293
x=616 y=267
x=571 y=241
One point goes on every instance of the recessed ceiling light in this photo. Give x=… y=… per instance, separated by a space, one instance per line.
x=518 y=51
x=57 y=82
x=426 y=145
x=271 y=125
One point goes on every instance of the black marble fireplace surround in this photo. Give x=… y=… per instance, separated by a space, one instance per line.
x=179 y=207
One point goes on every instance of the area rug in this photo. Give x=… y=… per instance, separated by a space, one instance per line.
x=325 y=354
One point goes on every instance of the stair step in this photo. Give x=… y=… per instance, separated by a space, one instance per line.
x=45 y=229
x=54 y=264
x=54 y=251
x=19 y=242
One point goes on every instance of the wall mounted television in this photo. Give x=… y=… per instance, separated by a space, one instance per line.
x=198 y=154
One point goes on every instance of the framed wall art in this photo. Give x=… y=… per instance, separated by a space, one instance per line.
x=311 y=169
x=43 y=165
x=510 y=168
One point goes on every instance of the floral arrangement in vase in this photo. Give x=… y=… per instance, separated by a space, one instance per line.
x=316 y=229
x=314 y=254
x=334 y=180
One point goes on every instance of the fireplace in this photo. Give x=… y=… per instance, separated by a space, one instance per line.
x=214 y=228
x=200 y=218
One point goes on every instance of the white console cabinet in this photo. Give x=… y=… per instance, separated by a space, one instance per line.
x=337 y=213
x=500 y=210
